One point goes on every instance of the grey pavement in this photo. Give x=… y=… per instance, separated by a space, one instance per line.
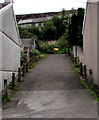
x=51 y=90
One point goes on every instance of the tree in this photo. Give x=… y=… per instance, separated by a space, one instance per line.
x=75 y=28
x=33 y=30
x=48 y=31
x=80 y=17
x=29 y=32
x=60 y=26
x=24 y=33
x=63 y=14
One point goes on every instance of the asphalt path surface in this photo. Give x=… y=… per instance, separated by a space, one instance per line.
x=51 y=90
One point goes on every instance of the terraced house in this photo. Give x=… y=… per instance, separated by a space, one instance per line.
x=9 y=42
x=38 y=19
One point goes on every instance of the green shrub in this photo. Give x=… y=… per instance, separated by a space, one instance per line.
x=37 y=58
x=22 y=55
x=8 y=98
x=77 y=65
x=62 y=51
x=35 y=52
x=48 y=48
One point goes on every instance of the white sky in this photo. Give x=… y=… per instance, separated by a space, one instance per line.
x=40 y=6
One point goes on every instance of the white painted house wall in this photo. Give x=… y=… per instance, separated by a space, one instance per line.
x=0 y=54
x=10 y=55
x=79 y=53
x=90 y=39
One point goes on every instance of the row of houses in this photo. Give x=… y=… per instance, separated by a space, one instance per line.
x=39 y=18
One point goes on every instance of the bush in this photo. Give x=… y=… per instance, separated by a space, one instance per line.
x=62 y=43
x=35 y=52
x=22 y=55
x=48 y=48
x=63 y=51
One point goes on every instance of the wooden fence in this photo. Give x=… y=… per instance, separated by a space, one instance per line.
x=24 y=68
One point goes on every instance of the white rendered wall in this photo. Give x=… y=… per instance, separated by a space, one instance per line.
x=90 y=40
x=98 y=45
x=10 y=43
x=0 y=54
x=79 y=53
x=0 y=65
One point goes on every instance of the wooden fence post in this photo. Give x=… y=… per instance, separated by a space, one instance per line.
x=13 y=80
x=23 y=72
x=19 y=75
x=5 y=88
x=75 y=60
x=85 y=72
x=26 y=67
x=81 y=69
x=90 y=76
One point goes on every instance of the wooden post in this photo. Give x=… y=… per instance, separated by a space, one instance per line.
x=26 y=67
x=81 y=69
x=75 y=60
x=85 y=72
x=5 y=88
x=68 y=51
x=13 y=80
x=19 y=75
x=23 y=72
x=90 y=76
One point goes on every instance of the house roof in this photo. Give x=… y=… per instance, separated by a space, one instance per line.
x=2 y=5
x=36 y=20
x=40 y=15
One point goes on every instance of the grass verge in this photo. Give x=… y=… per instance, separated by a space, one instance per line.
x=92 y=88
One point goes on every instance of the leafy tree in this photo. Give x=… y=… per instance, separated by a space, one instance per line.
x=75 y=28
x=29 y=32
x=60 y=26
x=24 y=33
x=48 y=31
x=34 y=31
x=63 y=14
x=80 y=17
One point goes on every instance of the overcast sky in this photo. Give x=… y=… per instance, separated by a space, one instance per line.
x=40 y=6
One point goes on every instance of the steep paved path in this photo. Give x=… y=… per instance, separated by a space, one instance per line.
x=52 y=90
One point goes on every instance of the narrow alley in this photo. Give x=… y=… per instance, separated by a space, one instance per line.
x=51 y=90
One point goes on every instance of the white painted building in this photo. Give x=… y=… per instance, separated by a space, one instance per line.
x=91 y=39
x=9 y=43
